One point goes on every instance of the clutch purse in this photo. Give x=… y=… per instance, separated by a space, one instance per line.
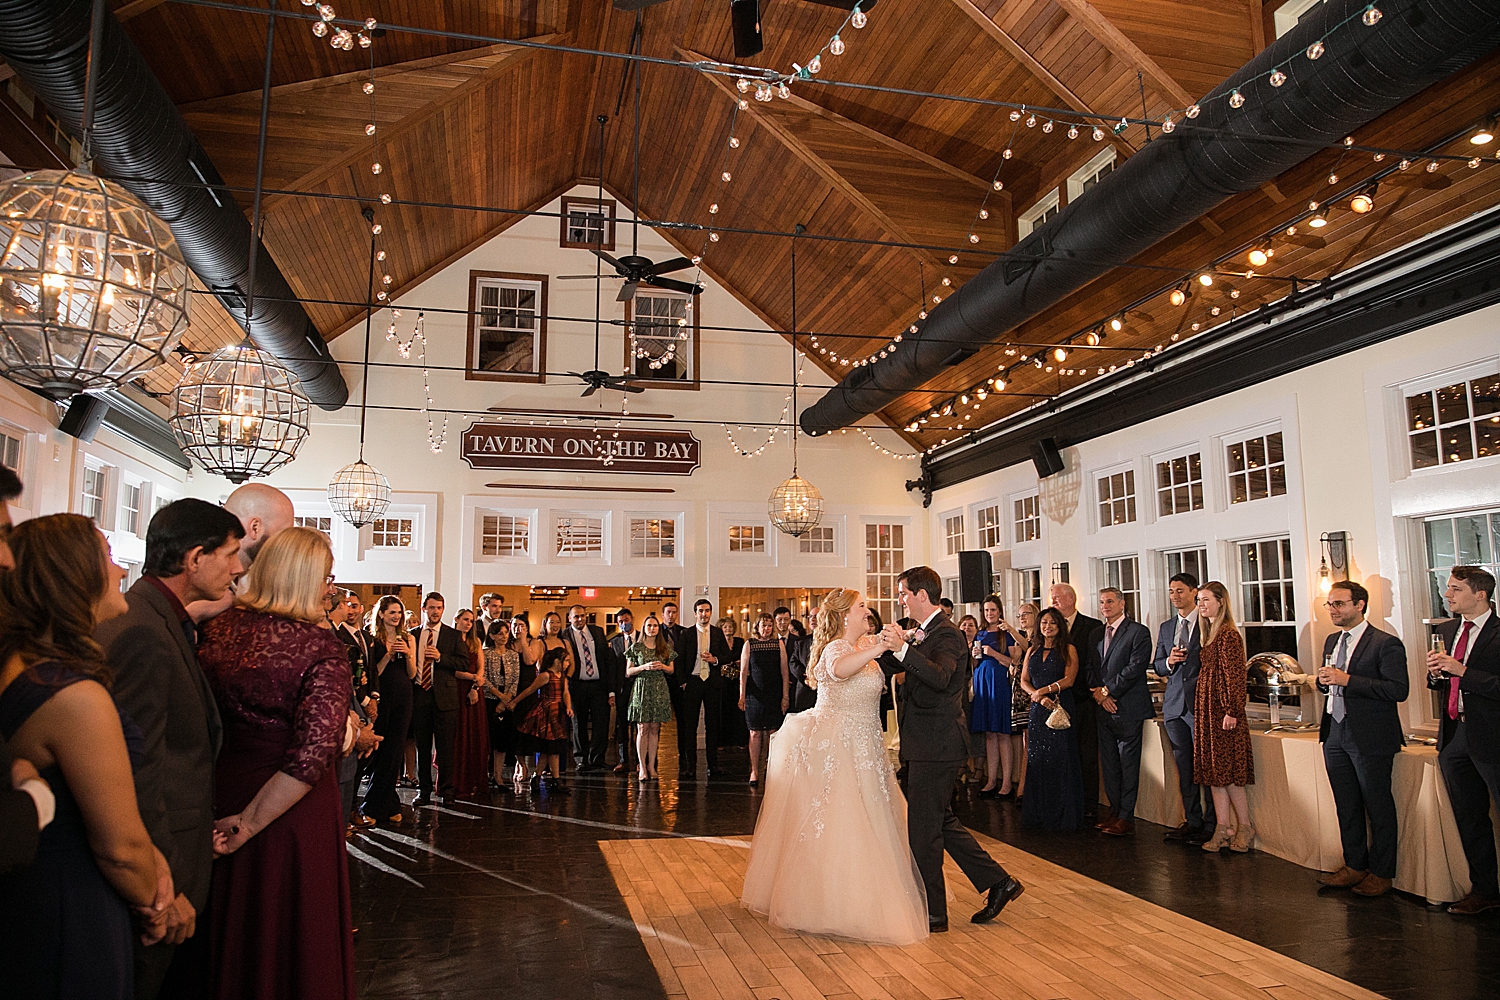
x=1059 y=718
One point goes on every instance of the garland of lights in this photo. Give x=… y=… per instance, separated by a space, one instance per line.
x=435 y=441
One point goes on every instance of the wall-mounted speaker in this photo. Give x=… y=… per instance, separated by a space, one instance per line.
x=85 y=414
x=1046 y=457
x=976 y=576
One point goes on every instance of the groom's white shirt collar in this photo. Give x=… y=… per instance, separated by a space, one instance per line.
x=901 y=653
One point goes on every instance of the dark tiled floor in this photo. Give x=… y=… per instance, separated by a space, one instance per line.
x=520 y=904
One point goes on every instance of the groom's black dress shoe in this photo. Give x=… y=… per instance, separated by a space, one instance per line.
x=1000 y=894
x=935 y=926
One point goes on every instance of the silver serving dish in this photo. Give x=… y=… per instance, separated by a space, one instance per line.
x=1276 y=681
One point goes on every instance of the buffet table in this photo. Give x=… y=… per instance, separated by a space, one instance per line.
x=1291 y=805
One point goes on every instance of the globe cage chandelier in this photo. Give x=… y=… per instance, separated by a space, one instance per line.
x=795 y=505
x=240 y=414
x=359 y=492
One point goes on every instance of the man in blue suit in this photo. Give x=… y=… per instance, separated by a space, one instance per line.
x=1361 y=735
x=1119 y=688
x=1177 y=644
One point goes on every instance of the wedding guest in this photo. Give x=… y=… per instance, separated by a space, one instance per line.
x=765 y=687
x=1121 y=692
x=530 y=651
x=547 y=721
x=1177 y=650
x=734 y=730
x=969 y=626
x=192 y=554
x=1361 y=735
x=702 y=651
x=1221 y=731
x=262 y=511
x=798 y=648
x=280 y=920
x=440 y=654
x=670 y=626
x=65 y=921
x=1084 y=634
x=492 y=610
x=502 y=677
x=1020 y=704
x=625 y=637
x=997 y=649
x=471 y=740
x=649 y=662
x=361 y=739
x=1055 y=801
x=592 y=689
x=1468 y=679
x=393 y=655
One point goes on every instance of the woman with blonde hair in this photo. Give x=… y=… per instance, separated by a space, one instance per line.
x=830 y=854
x=395 y=667
x=280 y=923
x=1221 y=735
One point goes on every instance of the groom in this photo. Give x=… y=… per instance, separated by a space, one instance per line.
x=935 y=744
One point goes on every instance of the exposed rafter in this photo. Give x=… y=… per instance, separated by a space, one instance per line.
x=1114 y=39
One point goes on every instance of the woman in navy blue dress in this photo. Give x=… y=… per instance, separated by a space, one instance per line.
x=1054 y=776
x=998 y=650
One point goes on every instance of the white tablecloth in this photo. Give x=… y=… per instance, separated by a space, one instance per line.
x=1291 y=806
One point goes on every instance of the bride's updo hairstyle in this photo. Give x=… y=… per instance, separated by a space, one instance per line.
x=836 y=605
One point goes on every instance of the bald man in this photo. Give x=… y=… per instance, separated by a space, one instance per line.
x=263 y=510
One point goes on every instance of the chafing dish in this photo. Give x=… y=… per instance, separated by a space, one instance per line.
x=1277 y=681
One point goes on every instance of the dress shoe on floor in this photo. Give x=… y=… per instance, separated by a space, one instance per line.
x=1373 y=885
x=361 y=820
x=1000 y=894
x=1474 y=903
x=1181 y=833
x=937 y=926
x=1199 y=838
x=395 y=820
x=1344 y=878
x=1220 y=840
x=989 y=793
x=1104 y=823
x=619 y=769
x=1120 y=828
x=422 y=800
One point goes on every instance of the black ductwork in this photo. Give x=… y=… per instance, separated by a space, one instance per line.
x=1175 y=179
x=140 y=138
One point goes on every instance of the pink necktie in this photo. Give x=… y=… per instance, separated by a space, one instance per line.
x=1459 y=652
x=1109 y=637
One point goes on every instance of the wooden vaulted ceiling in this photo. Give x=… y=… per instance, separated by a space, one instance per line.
x=897 y=179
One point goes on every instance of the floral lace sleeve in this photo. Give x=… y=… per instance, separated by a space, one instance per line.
x=823 y=672
x=321 y=708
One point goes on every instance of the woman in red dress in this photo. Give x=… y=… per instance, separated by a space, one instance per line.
x=280 y=923
x=471 y=742
x=547 y=721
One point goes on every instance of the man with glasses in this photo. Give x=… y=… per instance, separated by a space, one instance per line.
x=1364 y=676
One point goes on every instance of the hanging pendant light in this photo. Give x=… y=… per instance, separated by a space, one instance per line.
x=240 y=414
x=795 y=505
x=359 y=492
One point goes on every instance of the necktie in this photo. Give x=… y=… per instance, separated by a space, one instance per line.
x=1182 y=633
x=1335 y=691
x=702 y=671
x=586 y=647
x=1109 y=637
x=190 y=631
x=1459 y=652
x=429 y=648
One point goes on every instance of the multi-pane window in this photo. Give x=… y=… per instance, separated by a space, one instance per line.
x=504 y=535
x=987 y=521
x=747 y=538
x=1039 y=214
x=1029 y=586
x=953 y=533
x=1123 y=572
x=817 y=541
x=130 y=508
x=653 y=538
x=1194 y=561
x=1028 y=519
x=1468 y=539
x=391 y=533
x=588 y=224
x=1091 y=173
x=1117 y=498
x=660 y=335
x=323 y=524
x=1257 y=468
x=507 y=325
x=94 y=485
x=159 y=500
x=1179 y=485
x=885 y=560
x=1266 y=581
x=1456 y=423
x=10 y=450
x=580 y=536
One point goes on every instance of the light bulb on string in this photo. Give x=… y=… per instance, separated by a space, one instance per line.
x=1193 y=111
x=1277 y=78
x=1371 y=16
x=1072 y=131
x=368 y=88
x=1236 y=99
x=1316 y=50
x=859 y=19
x=1098 y=134
x=836 y=45
x=742 y=85
x=815 y=64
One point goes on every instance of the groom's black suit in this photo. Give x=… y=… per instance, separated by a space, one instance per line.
x=935 y=745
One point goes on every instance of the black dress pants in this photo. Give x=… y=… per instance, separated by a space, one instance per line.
x=1085 y=714
x=698 y=697
x=932 y=829
x=622 y=720
x=1471 y=784
x=590 y=721
x=1362 y=786
x=1195 y=813
x=433 y=725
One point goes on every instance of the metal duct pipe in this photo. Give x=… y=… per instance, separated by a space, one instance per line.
x=1176 y=178
x=138 y=133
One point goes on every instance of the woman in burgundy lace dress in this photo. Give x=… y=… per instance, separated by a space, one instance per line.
x=471 y=744
x=280 y=923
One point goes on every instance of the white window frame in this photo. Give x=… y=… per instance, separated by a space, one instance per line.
x=889 y=608
x=410 y=531
x=1030 y=219
x=1024 y=593
x=1428 y=384
x=1287 y=15
x=953 y=540
x=686 y=337
x=1187 y=455
x=559 y=517
x=1243 y=437
x=1287 y=582
x=537 y=284
x=1089 y=171
x=1102 y=570
x=301 y=521
x=670 y=538
x=1130 y=498
x=1027 y=519
x=18 y=464
x=108 y=482
x=757 y=544
x=527 y=555
x=989 y=525
x=1200 y=552
x=142 y=502
x=1434 y=588
x=823 y=534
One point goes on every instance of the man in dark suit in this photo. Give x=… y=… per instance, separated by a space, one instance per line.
x=192 y=554
x=619 y=643
x=1361 y=735
x=801 y=697
x=935 y=745
x=702 y=652
x=1469 y=733
x=592 y=688
x=1177 y=646
x=1085 y=634
x=1120 y=691
x=340 y=608
x=440 y=655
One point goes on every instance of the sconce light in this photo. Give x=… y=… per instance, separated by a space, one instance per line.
x=1059 y=572
x=1334 y=567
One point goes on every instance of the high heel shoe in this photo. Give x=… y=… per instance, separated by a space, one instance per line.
x=989 y=793
x=1222 y=837
x=1242 y=837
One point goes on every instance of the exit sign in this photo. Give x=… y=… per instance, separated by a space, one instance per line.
x=588 y=593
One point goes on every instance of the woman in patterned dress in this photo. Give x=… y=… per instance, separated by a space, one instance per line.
x=502 y=679
x=549 y=719
x=648 y=662
x=1221 y=735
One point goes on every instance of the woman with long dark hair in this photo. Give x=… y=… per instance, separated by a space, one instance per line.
x=502 y=676
x=998 y=649
x=394 y=665
x=471 y=743
x=649 y=661
x=1055 y=801
x=65 y=927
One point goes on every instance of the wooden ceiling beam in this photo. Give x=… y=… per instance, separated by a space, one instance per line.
x=1115 y=40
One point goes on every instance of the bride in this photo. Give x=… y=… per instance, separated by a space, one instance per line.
x=830 y=853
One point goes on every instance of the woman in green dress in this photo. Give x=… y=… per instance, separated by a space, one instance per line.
x=649 y=661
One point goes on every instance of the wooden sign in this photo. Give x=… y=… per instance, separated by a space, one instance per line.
x=580 y=449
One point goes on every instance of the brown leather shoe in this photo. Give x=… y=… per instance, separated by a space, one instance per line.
x=1474 y=903
x=1105 y=823
x=1121 y=828
x=1373 y=885
x=1344 y=878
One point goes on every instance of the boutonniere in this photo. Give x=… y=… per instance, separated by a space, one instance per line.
x=917 y=637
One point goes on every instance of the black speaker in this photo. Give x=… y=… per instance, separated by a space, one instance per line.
x=85 y=414
x=1046 y=458
x=976 y=576
x=744 y=16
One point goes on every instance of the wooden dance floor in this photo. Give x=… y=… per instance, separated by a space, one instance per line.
x=1067 y=937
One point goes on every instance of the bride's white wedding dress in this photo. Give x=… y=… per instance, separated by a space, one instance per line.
x=830 y=854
